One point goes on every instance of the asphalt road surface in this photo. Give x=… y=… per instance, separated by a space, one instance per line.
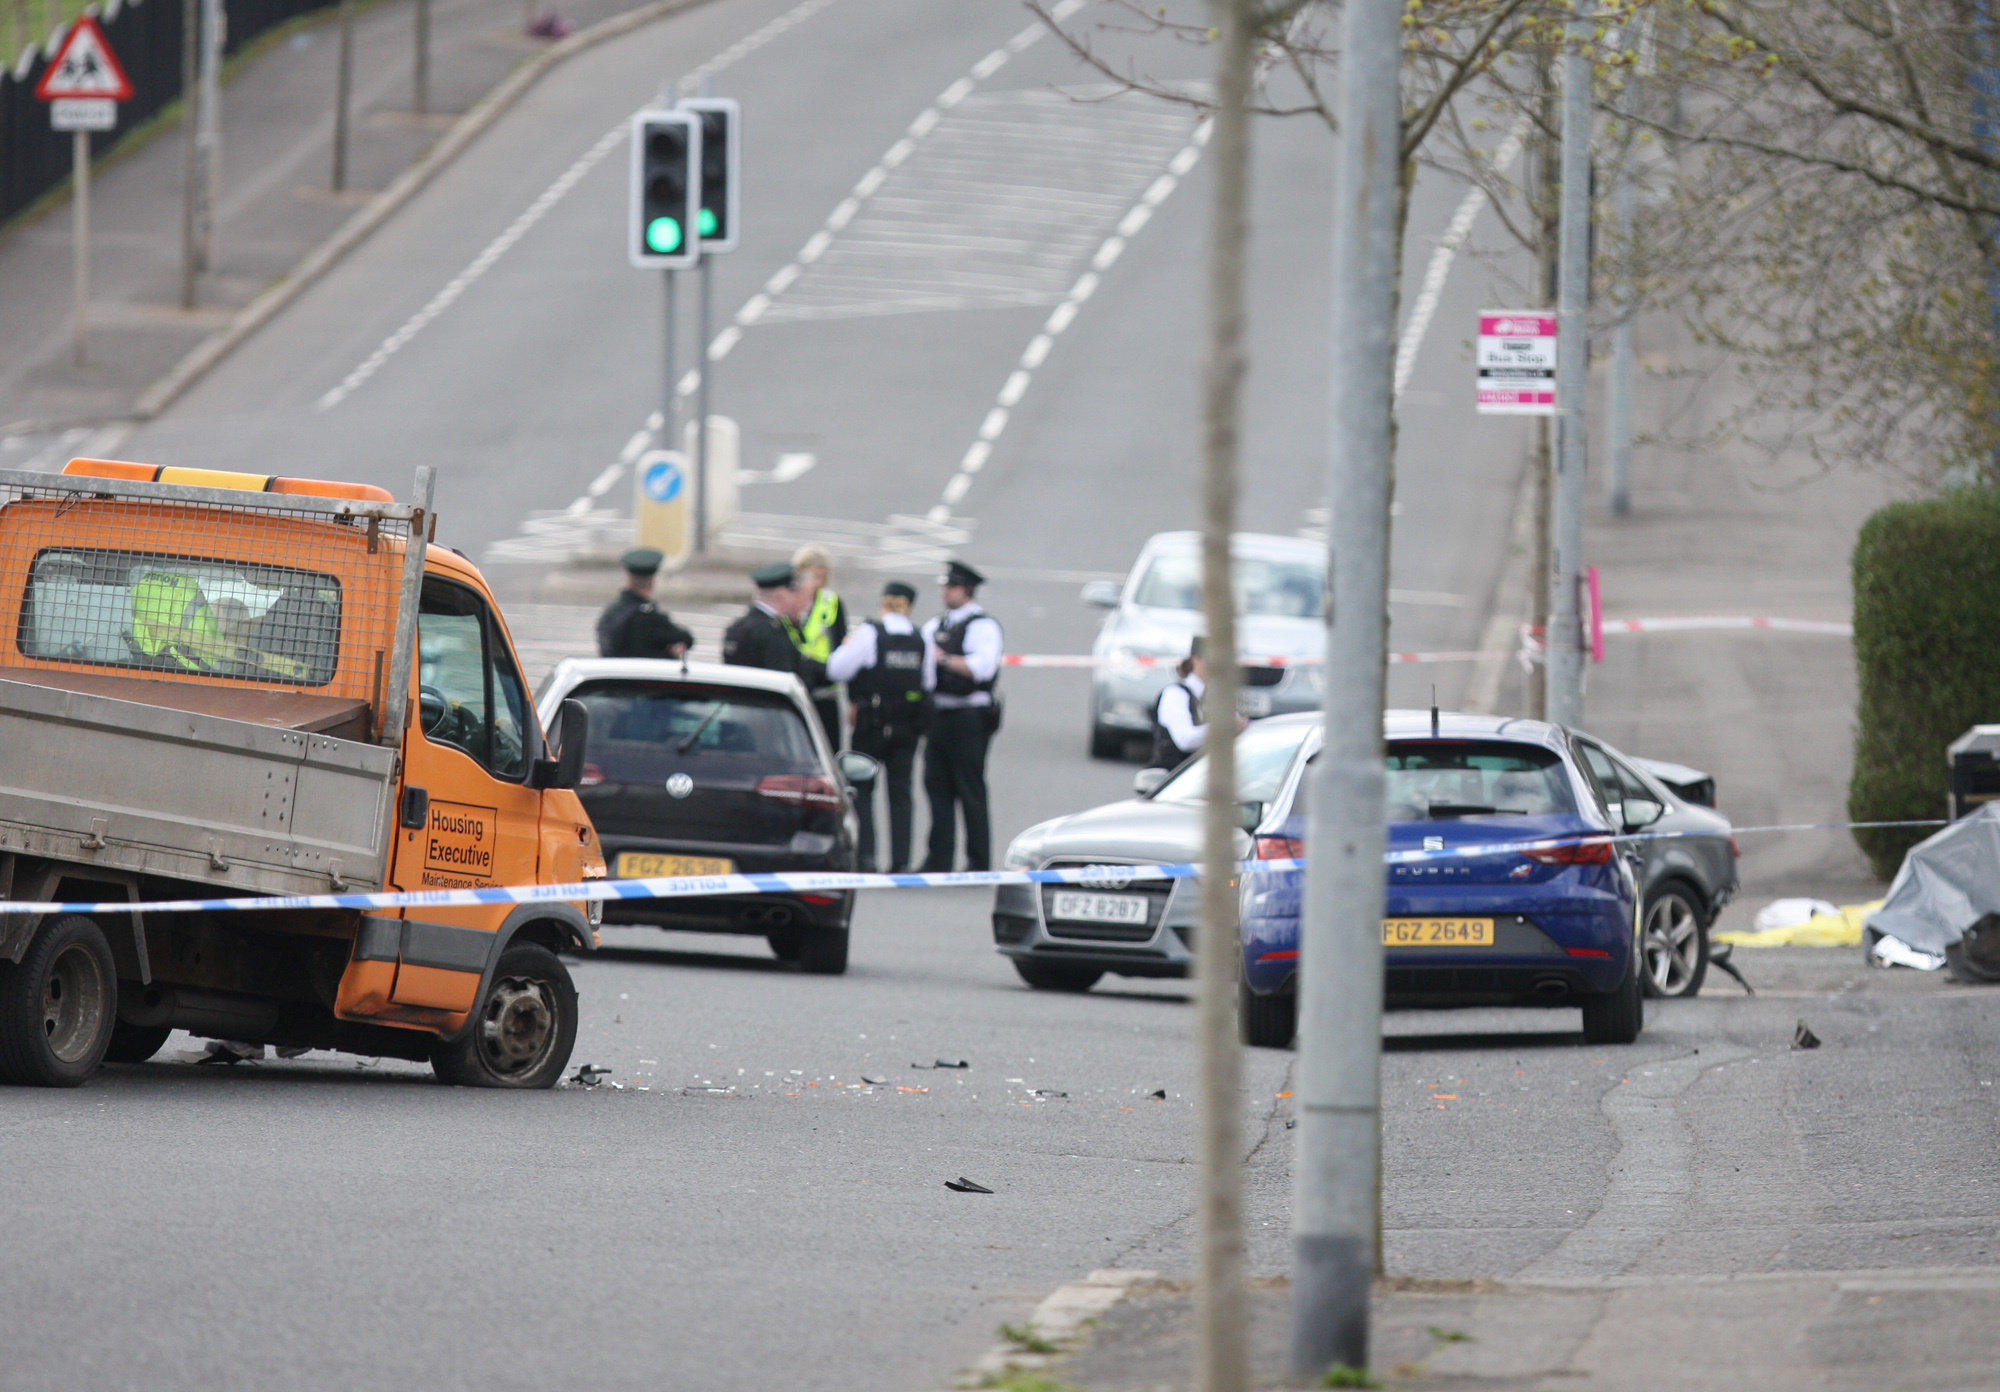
x=746 y=1210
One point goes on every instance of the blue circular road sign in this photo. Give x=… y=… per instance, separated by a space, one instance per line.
x=663 y=481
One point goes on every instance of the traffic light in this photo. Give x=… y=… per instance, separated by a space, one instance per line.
x=666 y=195
x=721 y=169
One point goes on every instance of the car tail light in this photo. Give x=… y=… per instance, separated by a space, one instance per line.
x=802 y=789
x=1735 y=851
x=1280 y=848
x=1586 y=952
x=1572 y=853
x=592 y=776
x=821 y=898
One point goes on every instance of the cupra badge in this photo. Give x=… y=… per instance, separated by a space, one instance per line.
x=680 y=785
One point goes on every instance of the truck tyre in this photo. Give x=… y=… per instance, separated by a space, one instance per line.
x=57 y=1006
x=1267 y=1022
x=1056 y=976
x=135 y=1043
x=521 y=1032
x=1618 y=1017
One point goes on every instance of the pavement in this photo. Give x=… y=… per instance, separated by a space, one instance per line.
x=745 y=1209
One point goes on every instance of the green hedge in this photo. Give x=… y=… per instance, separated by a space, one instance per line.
x=1927 y=652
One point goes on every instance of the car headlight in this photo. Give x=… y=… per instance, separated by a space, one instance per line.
x=1311 y=675
x=1024 y=850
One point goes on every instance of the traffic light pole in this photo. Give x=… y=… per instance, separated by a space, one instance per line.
x=701 y=411
x=670 y=409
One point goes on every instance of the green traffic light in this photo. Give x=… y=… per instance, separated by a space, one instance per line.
x=706 y=223
x=663 y=235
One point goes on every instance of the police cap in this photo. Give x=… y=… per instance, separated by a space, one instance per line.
x=897 y=589
x=959 y=573
x=641 y=560
x=775 y=576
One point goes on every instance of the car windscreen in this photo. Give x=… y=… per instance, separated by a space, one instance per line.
x=1469 y=778
x=641 y=730
x=1263 y=753
x=182 y=614
x=1290 y=589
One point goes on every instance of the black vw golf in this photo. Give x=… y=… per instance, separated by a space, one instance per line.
x=701 y=769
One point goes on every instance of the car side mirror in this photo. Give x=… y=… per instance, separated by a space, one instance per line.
x=1249 y=814
x=1148 y=781
x=1641 y=812
x=1101 y=594
x=857 y=767
x=572 y=737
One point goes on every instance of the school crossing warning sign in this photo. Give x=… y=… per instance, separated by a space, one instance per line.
x=85 y=68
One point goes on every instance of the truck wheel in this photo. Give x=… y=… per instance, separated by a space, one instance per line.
x=1056 y=976
x=1618 y=1017
x=135 y=1043
x=521 y=1034
x=1268 y=1022
x=57 y=1006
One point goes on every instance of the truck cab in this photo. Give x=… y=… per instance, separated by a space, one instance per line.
x=223 y=687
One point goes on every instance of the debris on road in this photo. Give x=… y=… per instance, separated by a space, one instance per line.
x=292 y=1051
x=963 y=1185
x=224 y=1051
x=1803 y=923
x=1718 y=956
x=945 y=1063
x=873 y=1082
x=1158 y=1094
x=589 y=1075
x=1804 y=1038
x=1948 y=886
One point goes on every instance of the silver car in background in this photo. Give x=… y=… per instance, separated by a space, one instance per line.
x=1064 y=937
x=1280 y=591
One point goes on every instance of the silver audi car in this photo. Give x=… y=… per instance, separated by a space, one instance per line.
x=1280 y=588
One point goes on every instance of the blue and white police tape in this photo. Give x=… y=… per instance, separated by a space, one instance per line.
x=1111 y=877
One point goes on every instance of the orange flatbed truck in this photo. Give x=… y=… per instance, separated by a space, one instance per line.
x=227 y=686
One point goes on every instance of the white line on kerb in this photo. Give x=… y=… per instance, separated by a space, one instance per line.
x=538 y=209
x=1016 y=385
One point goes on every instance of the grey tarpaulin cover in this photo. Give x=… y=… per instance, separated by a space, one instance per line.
x=1947 y=884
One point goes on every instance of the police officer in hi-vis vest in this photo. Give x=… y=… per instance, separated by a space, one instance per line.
x=962 y=649
x=882 y=663
x=821 y=630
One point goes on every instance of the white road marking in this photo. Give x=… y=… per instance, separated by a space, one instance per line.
x=553 y=537
x=1016 y=385
x=1424 y=307
x=549 y=197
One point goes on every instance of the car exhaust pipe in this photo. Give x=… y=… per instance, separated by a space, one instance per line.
x=766 y=915
x=1551 y=988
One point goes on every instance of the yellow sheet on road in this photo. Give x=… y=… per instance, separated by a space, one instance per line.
x=1841 y=929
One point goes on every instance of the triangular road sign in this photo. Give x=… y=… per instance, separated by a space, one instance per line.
x=85 y=67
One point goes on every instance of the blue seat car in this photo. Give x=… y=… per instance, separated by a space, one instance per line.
x=1554 y=924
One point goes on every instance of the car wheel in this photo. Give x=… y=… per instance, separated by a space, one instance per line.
x=1268 y=1022
x=522 y=1031
x=1675 y=943
x=1618 y=1017
x=1056 y=976
x=135 y=1043
x=1106 y=742
x=57 y=1006
x=823 y=953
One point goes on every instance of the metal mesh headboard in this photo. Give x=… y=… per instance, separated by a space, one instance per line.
x=185 y=583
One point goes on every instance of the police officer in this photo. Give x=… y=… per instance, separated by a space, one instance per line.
x=762 y=637
x=1178 y=727
x=822 y=629
x=962 y=650
x=882 y=663
x=632 y=625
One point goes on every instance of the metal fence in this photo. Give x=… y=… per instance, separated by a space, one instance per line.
x=146 y=36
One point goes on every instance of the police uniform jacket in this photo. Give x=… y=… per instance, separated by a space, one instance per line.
x=633 y=626
x=761 y=638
